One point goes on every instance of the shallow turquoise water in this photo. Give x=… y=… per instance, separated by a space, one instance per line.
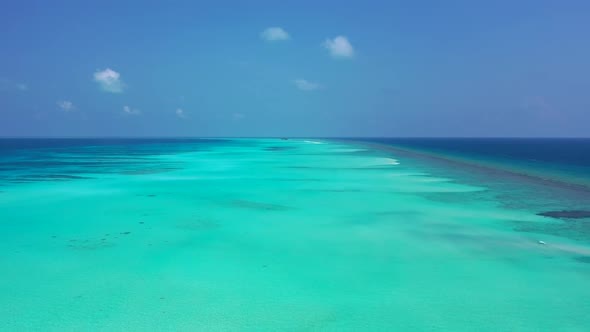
x=297 y=235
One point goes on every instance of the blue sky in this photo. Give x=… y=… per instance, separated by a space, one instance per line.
x=304 y=68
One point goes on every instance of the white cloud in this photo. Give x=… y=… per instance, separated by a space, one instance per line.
x=109 y=80
x=339 y=47
x=274 y=34
x=180 y=113
x=8 y=85
x=131 y=111
x=306 y=85
x=66 y=105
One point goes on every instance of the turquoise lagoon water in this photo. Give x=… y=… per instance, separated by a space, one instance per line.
x=280 y=235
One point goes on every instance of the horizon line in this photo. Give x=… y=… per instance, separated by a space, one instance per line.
x=293 y=137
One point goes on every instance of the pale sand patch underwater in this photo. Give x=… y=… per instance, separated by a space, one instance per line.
x=267 y=235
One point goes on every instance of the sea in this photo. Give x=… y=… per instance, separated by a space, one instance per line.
x=297 y=234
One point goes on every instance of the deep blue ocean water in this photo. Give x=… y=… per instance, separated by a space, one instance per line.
x=58 y=159
x=564 y=160
x=560 y=151
x=559 y=159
